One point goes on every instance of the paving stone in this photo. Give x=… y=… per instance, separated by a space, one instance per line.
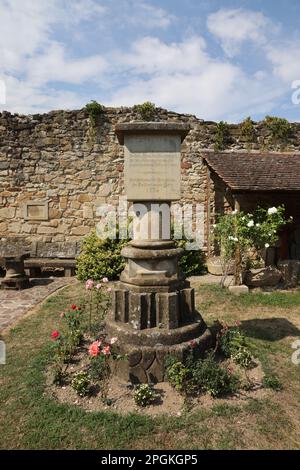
x=15 y=304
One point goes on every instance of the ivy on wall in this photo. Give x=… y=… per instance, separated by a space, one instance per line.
x=94 y=110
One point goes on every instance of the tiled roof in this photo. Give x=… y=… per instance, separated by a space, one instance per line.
x=256 y=171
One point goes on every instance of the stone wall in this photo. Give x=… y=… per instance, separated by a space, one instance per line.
x=55 y=169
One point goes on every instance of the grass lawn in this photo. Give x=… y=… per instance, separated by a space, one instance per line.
x=29 y=419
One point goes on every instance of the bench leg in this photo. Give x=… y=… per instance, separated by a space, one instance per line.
x=35 y=272
x=69 y=272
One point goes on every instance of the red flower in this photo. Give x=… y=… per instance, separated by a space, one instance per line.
x=94 y=348
x=106 y=350
x=73 y=307
x=193 y=343
x=54 y=334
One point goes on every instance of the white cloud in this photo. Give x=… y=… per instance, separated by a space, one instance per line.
x=182 y=76
x=137 y=12
x=52 y=65
x=150 y=55
x=23 y=97
x=31 y=59
x=235 y=26
x=285 y=58
x=40 y=65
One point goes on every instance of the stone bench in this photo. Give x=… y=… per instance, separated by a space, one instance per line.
x=43 y=255
x=34 y=265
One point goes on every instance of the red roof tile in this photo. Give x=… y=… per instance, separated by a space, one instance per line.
x=256 y=171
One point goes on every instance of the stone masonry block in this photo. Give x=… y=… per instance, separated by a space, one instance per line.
x=167 y=309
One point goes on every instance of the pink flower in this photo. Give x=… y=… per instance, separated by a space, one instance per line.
x=62 y=315
x=109 y=289
x=105 y=279
x=106 y=350
x=89 y=284
x=113 y=340
x=193 y=343
x=94 y=348
x=98 y=286
x=54 y=335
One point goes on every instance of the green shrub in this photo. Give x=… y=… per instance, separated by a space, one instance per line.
x=279 y=128
x=100 y=258
x=272 y=381
x=192 y=262
x=94 y=110
x=233 y=344
x=222 y=138
x=146 y=111
x=243 y=357
x=208 y=376
x=144 y=395
x=177 y=374
x=247 y=130
x=81 y=383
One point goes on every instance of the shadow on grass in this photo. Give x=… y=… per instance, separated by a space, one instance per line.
x=269 y=329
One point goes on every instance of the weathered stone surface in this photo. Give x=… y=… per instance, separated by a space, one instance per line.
x=263 y=277
x=290 y=270
x=237 y=290
x=152 y=167
x=47 y=155
x=214 y=266
x=147 y=364
x=120 y=305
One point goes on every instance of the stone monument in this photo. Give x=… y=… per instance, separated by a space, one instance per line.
x=153 y=312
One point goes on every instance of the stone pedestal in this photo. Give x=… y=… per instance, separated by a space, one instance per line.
x=15 y=277
x=153 y=312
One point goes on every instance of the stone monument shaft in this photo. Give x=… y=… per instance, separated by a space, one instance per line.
x=153 y=310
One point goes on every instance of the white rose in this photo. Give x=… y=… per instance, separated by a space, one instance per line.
x=272 y=210
x=257 y=225
x=267 y=245
x=250 y=223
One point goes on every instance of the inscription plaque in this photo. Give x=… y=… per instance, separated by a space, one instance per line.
x=152 y=168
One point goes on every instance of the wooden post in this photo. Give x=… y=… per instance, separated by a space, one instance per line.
x=238 y=257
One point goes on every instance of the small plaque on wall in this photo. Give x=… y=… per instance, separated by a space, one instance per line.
x=36 y=210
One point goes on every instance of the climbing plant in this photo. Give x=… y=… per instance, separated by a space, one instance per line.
x=94 y=110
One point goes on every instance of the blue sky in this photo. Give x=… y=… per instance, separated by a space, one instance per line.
x=216 y=59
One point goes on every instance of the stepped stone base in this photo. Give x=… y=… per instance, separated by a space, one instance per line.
x=155 y=308
x=146 y=350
